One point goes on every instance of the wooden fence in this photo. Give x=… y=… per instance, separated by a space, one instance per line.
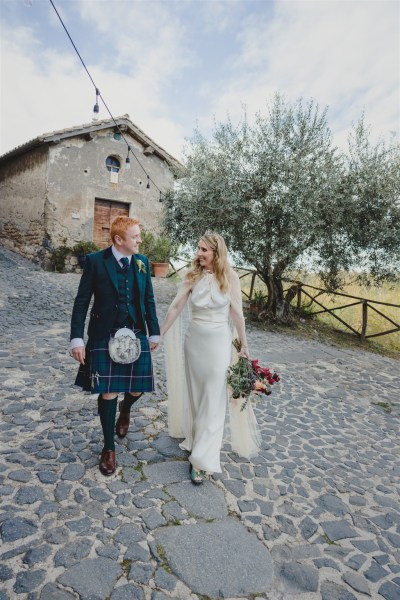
x=311 y=294
x=366 y=305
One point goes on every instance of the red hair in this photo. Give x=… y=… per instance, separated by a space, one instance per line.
x=120 y=225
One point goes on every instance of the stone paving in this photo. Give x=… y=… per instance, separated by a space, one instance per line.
x=316 y=516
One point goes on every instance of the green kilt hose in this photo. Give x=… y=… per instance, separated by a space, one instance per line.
x=101 y=375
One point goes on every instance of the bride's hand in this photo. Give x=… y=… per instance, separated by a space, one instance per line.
x=244 y=352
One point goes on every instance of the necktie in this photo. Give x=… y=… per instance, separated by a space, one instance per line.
x=125 y=262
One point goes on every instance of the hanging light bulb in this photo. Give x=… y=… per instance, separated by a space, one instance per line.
x=148 y=182
x=128 y=160
x=96 y=109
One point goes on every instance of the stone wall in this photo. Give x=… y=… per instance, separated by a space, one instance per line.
x=23 y=205
x=48 y=194
x=78 y=175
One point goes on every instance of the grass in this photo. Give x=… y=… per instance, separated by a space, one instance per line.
x=353 y=314
x=126 y=565
x=325 y=326
x=163 y=558
x=161 y=552
x=139 y=469
x=328 y=540
x=387 y=407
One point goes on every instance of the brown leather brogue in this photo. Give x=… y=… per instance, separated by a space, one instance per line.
x=122 y=424
x=107 y=462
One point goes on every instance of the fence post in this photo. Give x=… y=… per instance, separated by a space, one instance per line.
x=253 y=278
x=298 y=297
x=364 y=320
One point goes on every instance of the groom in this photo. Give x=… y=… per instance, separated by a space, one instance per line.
x=119 y=280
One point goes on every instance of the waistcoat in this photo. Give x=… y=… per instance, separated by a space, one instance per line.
x=126 y=306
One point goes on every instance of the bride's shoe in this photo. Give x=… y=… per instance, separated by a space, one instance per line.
x=196 y=476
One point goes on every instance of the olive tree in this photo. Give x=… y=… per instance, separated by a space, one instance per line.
x=372 y=182
x=276 y=189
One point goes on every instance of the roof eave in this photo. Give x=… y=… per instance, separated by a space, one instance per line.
x=57 y=136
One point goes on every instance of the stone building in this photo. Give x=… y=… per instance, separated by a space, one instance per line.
x=67 y=186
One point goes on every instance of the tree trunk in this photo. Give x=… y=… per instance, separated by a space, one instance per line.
x=278 y=304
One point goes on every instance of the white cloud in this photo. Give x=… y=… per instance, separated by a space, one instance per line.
x=220 y=15
x=342 y=54
x=143 y=37
x=44 y=90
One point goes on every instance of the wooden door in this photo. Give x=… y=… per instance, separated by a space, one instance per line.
x=105 y=212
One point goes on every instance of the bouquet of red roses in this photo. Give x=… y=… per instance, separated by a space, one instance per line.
x=247 y=376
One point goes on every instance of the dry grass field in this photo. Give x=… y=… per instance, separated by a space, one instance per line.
x=353 y=315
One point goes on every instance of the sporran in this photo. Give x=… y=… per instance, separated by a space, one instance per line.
x=124 y=347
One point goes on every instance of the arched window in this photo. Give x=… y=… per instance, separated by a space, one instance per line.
x=113 y=165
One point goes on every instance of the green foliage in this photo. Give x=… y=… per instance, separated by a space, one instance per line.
x=158 y=249
x=259 y=298
x=161 y=552
x=284 y=197
x=126 y=565
x=82 y=248
x=328 y=540
x=305 y=311
x=147 y=244
x=387 y=407
x=372 y=181
x=163 y=558
x=59 y=257
x=139 y=469
x=238 y=378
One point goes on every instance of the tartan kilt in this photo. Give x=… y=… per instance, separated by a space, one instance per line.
x=101 y=375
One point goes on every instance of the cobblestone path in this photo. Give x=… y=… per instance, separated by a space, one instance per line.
x=315 y=516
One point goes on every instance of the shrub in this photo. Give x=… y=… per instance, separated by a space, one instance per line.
x=59 y=256
x=82 y=248
x=158 y=249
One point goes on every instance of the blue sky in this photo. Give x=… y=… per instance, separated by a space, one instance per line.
x=175 y=64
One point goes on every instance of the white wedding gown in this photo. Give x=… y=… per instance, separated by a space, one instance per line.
x=207 y=351
x=197 y=370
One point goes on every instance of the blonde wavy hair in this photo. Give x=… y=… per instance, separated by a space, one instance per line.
x=221 y=266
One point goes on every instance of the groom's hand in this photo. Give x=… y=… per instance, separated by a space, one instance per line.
x=153 y=346
x=79 y=354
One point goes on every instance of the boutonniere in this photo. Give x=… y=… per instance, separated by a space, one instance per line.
x=141 y=266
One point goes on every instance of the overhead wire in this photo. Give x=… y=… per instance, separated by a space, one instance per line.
x=98 y=94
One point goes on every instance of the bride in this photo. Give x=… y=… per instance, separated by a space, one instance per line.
x=211 y=289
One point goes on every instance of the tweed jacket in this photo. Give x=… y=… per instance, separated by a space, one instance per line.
x=99 y=279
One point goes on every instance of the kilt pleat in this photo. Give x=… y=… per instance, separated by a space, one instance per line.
x=100 y=374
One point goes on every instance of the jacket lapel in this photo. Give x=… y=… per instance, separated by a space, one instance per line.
x=111 y=266
x=136 y=274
